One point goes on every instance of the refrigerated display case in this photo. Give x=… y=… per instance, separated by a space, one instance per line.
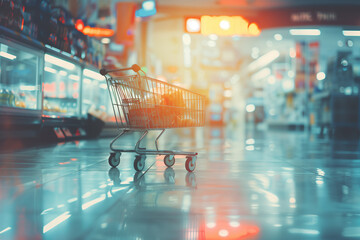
x=61 y=87
x=19 y=78
x=20 y=92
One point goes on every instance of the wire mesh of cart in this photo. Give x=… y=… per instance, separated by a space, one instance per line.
x=141 y=103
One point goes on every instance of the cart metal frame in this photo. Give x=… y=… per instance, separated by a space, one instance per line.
x=141 y=103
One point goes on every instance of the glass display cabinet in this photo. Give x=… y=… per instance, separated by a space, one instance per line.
x=61 y=87
x=19 y=77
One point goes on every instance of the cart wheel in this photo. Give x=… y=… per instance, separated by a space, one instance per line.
x=114 y=159
x=169 y=175
x=139 y=162
x=190 y=163
x=169 y=160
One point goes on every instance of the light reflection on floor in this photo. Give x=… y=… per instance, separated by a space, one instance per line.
x=247 y=185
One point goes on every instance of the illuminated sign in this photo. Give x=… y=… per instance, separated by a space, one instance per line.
x=98 y=32
x=93 y=31
x=221 y=25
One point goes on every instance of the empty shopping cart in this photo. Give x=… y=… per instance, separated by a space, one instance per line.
x=141 y=103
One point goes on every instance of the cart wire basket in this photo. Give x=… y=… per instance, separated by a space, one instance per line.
x=141 y=103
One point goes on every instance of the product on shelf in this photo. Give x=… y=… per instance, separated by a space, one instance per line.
x=7 y=98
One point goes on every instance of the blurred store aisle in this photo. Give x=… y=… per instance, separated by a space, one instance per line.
x=247 y=185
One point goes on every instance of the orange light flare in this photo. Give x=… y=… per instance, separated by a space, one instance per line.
x=230 y=230
x=228 y=26
x=98 y=32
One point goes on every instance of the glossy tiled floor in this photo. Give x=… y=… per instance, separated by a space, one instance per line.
x=247 y=185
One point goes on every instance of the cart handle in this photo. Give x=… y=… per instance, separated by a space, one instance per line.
x=134 y=67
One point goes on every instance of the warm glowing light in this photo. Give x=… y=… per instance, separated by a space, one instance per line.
x=228 y=26
x=79 y=25
x=7 y=55
x=250 y=108
x=92 y=74
x=320 y=76
x=98 y=32
x=193 y=25
x=224 y=24
x=305 y=32
x=254 y=29
x=59 y=62
x=351 y=33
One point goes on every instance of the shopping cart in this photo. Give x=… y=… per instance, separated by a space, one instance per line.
x=141 y=103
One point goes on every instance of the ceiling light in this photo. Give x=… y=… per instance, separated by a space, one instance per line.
x=93 y=74
x=59 y=62
x=305 y=32
x=7 y=55
x=351 y=33
x=50 y=70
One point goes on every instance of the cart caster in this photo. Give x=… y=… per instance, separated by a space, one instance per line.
x=114 y=159
x=169 y=175
x=114 y=175
x=139 y=162
x=190 y=163
x=169 y=160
